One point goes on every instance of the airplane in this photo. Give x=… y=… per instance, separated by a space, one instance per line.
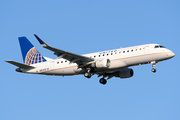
x=109 y=63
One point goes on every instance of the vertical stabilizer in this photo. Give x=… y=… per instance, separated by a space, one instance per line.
x=29 y=53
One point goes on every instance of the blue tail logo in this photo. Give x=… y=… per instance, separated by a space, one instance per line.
x=30 y=54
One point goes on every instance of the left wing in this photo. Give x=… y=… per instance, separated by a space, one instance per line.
x=73 y=58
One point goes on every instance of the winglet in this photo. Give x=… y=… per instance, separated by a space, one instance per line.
x=41 y=41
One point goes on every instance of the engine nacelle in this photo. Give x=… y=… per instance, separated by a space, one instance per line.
x=126 y=73
x=103 y=63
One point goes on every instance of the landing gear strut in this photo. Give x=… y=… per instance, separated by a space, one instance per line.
x=153 y=65
x=103 y=81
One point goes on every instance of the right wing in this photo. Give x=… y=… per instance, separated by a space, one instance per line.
x=19 y=64
x=73 y=58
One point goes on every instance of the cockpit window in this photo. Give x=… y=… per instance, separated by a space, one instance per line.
x=159 y=46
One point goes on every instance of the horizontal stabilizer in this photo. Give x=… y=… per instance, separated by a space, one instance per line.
x=20 y=64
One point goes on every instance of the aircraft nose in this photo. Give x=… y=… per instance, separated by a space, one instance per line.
x=171 y=54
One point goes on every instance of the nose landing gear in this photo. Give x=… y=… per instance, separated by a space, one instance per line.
x=153 y=65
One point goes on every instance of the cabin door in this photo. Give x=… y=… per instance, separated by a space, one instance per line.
x=51 y=66
x=146 y=50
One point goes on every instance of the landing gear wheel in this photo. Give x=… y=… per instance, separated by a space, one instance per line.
x=103 y=81
x=153 y=70
x=88 y=75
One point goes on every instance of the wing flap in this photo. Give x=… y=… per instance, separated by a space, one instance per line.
x=73 y=58
x=19 y=64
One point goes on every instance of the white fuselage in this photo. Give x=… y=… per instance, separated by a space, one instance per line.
x=120 y=59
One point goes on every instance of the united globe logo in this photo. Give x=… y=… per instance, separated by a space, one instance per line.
x=33 y=56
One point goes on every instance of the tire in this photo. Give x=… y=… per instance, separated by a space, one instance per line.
x=87 y=75
x=153 y=70
x=103 y=81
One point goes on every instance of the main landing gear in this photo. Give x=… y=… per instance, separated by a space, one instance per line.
x=87 y=74
x=103 y=81
x=153 y=65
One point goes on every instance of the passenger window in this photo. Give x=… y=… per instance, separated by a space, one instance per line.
x=99 y=55
x=65 y=61
x=140 y=49
x=136 y=49
x=61 y=61
x=103 y=54
x=57 y=62
x=123 y=51
x=131 y=50
x=111 y=53
x=90 y=56
x=94 y=56
x=107 y=54
x=119 y=52
x=128 y=51
x=115 y=52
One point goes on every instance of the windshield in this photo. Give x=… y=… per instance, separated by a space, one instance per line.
x=159 y=46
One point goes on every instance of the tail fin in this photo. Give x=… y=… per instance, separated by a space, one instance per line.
x=29 y=53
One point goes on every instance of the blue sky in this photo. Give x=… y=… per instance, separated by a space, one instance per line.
x=85 y=27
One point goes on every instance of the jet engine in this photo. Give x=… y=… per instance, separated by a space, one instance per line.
x=103 y=63
x=126 y=73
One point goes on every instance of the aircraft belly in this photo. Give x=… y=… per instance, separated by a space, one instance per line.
x=60 y=71
x=64 y=71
